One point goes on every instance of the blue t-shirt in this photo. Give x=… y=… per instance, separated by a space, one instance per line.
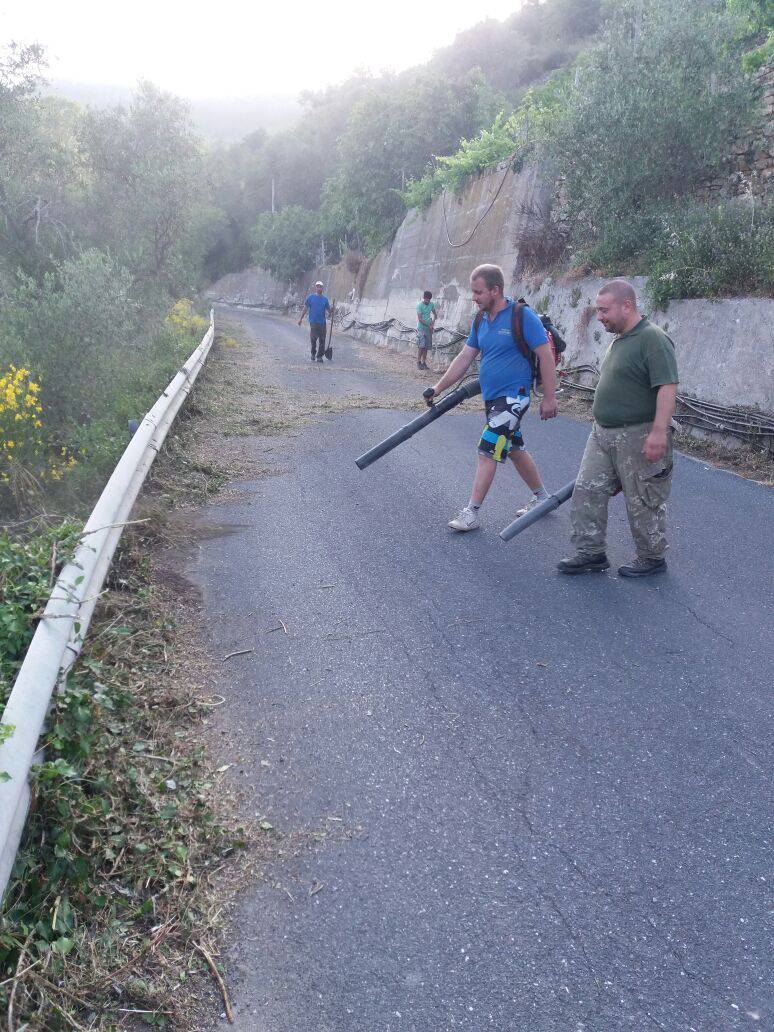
x=318 y=305
x=504 y=370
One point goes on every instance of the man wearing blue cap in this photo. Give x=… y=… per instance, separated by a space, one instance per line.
x=318 y=306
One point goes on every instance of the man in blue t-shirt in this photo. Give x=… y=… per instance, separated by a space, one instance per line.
x=318 y=306
x=506 y=382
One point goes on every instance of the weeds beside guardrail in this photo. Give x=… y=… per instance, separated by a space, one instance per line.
x=65 y=620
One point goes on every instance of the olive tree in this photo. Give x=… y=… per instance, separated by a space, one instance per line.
x=650 y=113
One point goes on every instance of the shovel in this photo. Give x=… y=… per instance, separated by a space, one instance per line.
x=329 y=350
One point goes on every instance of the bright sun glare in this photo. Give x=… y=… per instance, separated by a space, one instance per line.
x=234 y=48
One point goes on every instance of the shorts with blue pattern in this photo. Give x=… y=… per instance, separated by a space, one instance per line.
x=502 y=432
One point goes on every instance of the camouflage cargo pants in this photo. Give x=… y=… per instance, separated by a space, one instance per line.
x=614 y=460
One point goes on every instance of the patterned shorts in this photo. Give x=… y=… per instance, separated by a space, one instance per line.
x=503 y=427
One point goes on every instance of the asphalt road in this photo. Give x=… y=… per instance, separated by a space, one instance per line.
x=507 y=799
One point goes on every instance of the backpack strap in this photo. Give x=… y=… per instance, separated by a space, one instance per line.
x=477 y=322
x=517 y=328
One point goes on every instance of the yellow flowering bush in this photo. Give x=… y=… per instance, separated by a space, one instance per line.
x=183 y=320
x=20 y=423
x=22 y=435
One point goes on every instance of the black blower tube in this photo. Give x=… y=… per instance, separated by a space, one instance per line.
x=541 y=509
x=449 y=401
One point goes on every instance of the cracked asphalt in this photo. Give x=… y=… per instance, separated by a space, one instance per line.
x=504 y=799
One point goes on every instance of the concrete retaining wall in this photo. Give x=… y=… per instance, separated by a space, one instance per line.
x=422 y=258
x=725 y=348
x=252 y=286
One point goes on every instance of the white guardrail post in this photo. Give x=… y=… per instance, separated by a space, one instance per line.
x=59 y=636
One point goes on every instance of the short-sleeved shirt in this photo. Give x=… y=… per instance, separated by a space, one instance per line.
x=635 y=365
x=318 y=305
x=425 y=309
x=504 y=371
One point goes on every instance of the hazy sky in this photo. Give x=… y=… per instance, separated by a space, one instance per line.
x=228 y=48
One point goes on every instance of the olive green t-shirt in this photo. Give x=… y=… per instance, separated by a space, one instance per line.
x=636 y=364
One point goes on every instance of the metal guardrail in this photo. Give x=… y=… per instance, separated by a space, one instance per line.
x=60 y=634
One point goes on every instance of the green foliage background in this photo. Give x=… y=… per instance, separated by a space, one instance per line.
x=104 y=222
x=657 y=102
x=631 y=132
x=361 y=151
x=109 y=215
x=630 y=106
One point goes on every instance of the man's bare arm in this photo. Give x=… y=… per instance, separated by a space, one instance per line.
x=656 y=442
x=457 y=369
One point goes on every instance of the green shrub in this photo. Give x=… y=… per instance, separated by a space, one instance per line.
x=25 y=584
x=756 y=31
x=419 y=193
x=513 y=133
x=26 y=568
x=286 y=243
x=74 y=331
x=760 y=56
x=713 y=251
x=98 y=362
x=622 y=243
x=648 y=117
x=490 y=147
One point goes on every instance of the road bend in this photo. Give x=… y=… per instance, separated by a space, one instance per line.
x=505 y=799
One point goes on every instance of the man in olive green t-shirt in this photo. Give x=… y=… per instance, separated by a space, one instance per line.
x=630 y=445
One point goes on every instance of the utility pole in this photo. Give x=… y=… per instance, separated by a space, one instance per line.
x=272 y=196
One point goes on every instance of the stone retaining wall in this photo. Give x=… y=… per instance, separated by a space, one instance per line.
x=750 y=168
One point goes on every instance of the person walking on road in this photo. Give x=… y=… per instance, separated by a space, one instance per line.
x=318 y=306
x=630 y=445
x=426 y=315
x=506 y=382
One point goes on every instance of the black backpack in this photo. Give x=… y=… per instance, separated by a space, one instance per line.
x=555 y=339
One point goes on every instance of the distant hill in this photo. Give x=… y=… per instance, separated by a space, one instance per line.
x=224 y=120
x=229 y=120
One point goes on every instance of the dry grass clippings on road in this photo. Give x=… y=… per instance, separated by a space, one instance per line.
x=129 y=865
x=273 y=405
x=127 y=869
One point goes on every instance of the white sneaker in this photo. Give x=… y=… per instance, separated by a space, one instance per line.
x=467 y=520
x=534 y=500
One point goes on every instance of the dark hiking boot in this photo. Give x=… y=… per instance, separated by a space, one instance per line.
x=584 y=564
x=642 y=568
